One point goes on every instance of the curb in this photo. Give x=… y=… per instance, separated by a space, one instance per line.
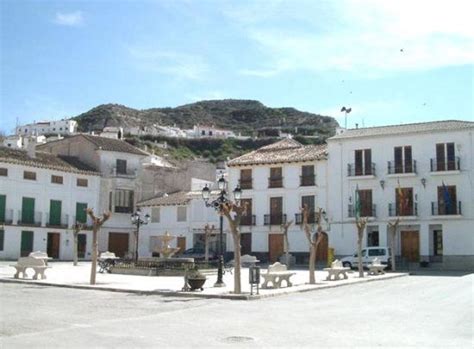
x=246 y=297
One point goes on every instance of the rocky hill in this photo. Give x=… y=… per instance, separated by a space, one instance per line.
x=245 y=116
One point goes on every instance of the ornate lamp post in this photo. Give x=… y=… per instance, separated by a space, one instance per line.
x=137 y=220
x=217 y=205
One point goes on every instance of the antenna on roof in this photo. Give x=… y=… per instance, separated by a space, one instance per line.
x=346 y=111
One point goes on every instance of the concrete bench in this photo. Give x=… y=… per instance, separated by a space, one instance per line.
x=40 y=255
x=276 y=273
x=376 y=268
x=336 y=271
x=38 y=265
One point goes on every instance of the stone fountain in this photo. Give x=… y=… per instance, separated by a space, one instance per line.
x=166 y=251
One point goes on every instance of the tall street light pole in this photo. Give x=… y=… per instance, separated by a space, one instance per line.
x=217 y=205
x=137 y=220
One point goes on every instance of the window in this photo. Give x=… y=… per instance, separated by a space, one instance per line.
x=81 y=214
x=123 y=201
x=363 y=163
x=2 y=238
x=307 y=175
x=276 y=215
x=373 y=252
x=372 y=238
x=181 y=212
x=247 y=219
x=446 y=159
x=246 y=179
x=121 y=166
x=155 y=215
x=404 y=202
x=438 y=242
x=3 y=171
x=403 y=160
x=366 y=208
x=203 y=133
x=276 y=177
x=82 y=182
x=447 y=201
x=57 y=179
x=309 y=201
x=29 y=175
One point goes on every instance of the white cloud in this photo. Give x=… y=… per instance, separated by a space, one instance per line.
x=361 y=37
x=178 y=65
x=70 y=19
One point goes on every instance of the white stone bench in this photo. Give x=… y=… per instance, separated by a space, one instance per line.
x=336 y=271
x=40 y=255
x=38 y=265
x=376 y=268
x=276 y=273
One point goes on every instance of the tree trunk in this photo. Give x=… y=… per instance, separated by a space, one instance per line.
x=94 y=254
x=237 y=286
x=75 y=248
x=312 y=264
x=359 y=255
x=393 y=234
x=287 y=251
x=206 y=248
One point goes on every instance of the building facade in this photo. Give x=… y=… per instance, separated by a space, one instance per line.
x=62 y=127
x=419 y=173
x=41 y=197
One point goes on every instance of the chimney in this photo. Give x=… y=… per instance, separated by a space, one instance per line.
x=31 y=148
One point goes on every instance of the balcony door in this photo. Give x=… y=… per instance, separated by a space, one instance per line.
x=403 y=159
x=365 y=197
x=447 y=201
x=404 y=201
x=28 y=210
x=363 y=162
x=246 y=219
x=276 y=210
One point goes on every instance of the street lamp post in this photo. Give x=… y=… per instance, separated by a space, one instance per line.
x=217 y=205
x=137 y=220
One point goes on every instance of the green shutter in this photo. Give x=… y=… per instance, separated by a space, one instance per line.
x=55 y=212
x=28 y=211
x=26 y=243
x=3 y=199
x=81 y=215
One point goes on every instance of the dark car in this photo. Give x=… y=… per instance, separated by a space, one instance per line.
x=198 y=254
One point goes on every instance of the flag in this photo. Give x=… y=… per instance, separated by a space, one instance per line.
x=447 y=199
x=401 y=199
x=357 y=203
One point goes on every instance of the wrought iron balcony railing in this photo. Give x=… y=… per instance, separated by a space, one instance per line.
x=353 y=170
x=453 y=164
x=394 y=168
x=274 y=219
x=395 y=210
x=366 y=211
x=443 y=209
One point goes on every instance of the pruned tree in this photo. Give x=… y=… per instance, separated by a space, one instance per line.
x=97 y=223
x=313 y=240
x=286 y=247
x=392 y=229
x=208 y=233
x=233 y=213
x=76 y=228
x=361 y=223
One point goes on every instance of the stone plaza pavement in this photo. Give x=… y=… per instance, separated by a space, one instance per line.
x=64 y=274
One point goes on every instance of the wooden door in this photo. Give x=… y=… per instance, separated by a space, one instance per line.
x=81 y=245
x=118 y=243
x=52 y=246
x=26 y=243
x=181 y=243
x=275 y=247
x=410 y=245
x=245 y=243
x=322 y=251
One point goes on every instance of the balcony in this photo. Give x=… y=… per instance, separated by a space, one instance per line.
x=299 y=218
x=246 y=183
x=124 y=174
x=441 y=209
x=445 y=165
x=275 y=182
x=7 y=217
x=400 y=168
x=28 y=218
x=365 y=211
x=353 y=171
x=307 y=180
x=58 y=222
x=394 y=210
x=274 y=219
x=248 y=220
x=87 y=225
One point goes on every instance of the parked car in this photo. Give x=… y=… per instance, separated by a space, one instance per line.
x=198 y=254
x=368 y=255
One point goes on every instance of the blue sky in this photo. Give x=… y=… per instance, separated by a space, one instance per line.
x=391 y=61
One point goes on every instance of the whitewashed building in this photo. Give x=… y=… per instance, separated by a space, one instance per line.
x=432 y=164
x=41 y=197
x=210 y=131
x=276 y=181
x=62 y=127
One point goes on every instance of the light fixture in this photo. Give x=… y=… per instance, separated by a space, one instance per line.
x=237 y=193
x=221 y=183
x=423 y=182
x=206 y=193
x=382 y=183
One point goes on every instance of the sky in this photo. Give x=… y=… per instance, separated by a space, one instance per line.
x=391 y=62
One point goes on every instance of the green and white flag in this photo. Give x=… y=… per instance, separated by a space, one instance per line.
x=357 y=207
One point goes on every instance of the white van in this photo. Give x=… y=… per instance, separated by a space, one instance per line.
x=368 y=255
